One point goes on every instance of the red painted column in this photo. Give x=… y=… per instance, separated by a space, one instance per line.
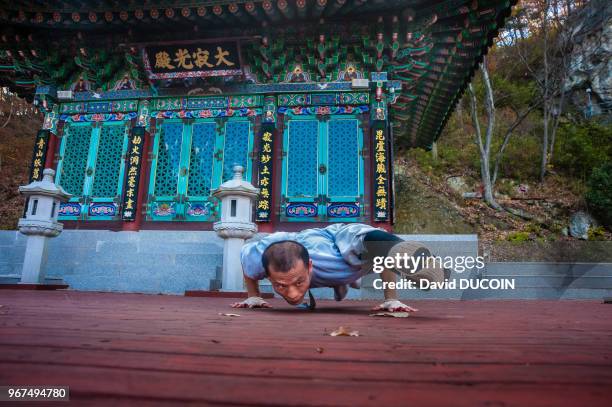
x=52 y=147
x=386 y=226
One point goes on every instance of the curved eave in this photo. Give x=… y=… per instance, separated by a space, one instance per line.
x=424 y=112
x=426 y=141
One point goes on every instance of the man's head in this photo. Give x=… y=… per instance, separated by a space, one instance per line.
x=289 y=269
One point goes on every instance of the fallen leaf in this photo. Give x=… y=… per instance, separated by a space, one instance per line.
x=391 y=314
x=320 y=350
x=342 y=331
x=229 y=314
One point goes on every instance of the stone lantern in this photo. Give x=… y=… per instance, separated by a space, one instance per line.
x=40 y=223
x=236 y=225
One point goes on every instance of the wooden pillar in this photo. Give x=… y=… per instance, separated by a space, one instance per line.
x=52 y=148
x=391 y=166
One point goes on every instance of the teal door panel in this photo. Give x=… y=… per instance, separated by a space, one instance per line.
x=302 y=160
x=73 y=158
x=168 y=146
x=345 y=178
x=236 y=147
x=166 y=169
x=72 y=167
x=108 y=170
x=111 y=145
x=91 y=168
x=201 y=160
x=301 y=180
x=191 y=159
x=201 y=168
x=343 y=148
x=322 y=175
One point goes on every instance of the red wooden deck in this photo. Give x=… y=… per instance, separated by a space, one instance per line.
x=117 y=349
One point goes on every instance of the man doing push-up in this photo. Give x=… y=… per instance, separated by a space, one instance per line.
x=336 y=256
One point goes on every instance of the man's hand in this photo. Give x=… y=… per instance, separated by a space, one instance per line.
x=252 y=302
x=394 y=306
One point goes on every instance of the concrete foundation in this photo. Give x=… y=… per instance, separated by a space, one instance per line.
x=171 y=262
x=147 y=261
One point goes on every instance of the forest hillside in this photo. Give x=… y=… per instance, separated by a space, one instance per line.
x=527 y=153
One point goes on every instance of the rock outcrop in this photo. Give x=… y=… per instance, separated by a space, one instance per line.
x=590 y=59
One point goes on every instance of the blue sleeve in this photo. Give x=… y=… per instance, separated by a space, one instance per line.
x=349 y=240
x=250 y=257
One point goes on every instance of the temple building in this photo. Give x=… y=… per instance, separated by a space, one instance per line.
x=149 y=104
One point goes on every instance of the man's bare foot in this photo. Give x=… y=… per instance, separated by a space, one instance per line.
x=394 y=306
x=252 y=302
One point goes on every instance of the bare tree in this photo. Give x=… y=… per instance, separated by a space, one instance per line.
x=8 y=119
x=508 y=134
x=11 y=105
x=545 y=21
x=484 y=146
x=489 y=179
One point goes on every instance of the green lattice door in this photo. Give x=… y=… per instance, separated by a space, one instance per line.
x=344 y=181
x=323 y=169
x=191 y=158
x=91 y=169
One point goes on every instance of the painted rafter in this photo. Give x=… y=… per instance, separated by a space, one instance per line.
x=433 y=47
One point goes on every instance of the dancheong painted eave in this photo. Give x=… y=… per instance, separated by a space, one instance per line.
x=432 y=47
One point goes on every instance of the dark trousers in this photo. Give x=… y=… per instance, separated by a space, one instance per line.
x=378 y=243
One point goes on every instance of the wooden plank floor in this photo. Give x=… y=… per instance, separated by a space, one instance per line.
x=126 y=349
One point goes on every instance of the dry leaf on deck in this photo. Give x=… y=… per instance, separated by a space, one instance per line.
x=391 y=314
x=229 y=314
x=342 y=331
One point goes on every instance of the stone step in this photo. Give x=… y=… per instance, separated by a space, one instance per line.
x=532 y=281
x=519 y=293
x=545 y=269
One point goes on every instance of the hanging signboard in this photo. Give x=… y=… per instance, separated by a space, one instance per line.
x=134 y=161
x=39 y=155
x=192 y=60
x=266 y=143
x=381 y=174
